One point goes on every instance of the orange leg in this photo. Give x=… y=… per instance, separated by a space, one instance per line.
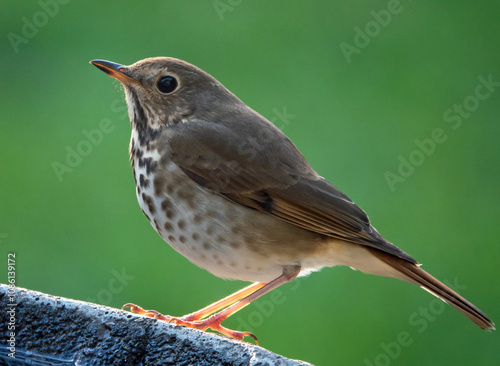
x=230 y=305
x=203 y=313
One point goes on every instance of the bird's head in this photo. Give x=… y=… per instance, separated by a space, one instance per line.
x=164 y=91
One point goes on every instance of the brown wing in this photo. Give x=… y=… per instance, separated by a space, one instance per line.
x=261 y=168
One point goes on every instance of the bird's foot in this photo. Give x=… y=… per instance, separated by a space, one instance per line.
x=192 y=321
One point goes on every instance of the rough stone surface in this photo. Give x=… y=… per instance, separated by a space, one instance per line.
x=51 y=330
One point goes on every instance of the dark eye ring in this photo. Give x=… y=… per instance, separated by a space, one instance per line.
x=167 y=84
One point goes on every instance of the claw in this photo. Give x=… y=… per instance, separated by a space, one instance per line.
x=233 y=333
x=136 y=309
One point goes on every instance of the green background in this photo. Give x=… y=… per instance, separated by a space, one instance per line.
x=352 y=120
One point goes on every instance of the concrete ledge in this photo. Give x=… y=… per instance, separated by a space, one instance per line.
x=52 y=330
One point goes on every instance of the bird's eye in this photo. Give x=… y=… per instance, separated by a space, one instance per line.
x=167 y=84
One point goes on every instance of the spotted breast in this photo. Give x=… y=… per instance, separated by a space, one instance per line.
x=229 y=240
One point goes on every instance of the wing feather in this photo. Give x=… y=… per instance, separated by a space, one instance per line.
x=270 y=174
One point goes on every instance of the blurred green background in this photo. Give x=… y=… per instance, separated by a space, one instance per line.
x=355 y=113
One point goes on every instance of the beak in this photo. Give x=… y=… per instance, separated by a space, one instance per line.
x=114 y=70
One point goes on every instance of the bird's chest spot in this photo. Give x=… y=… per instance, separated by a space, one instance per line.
x=175 y=206
x=201 y=225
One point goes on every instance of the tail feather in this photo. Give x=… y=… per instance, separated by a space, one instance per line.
x=414 y=274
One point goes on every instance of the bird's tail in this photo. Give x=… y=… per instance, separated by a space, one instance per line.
x=414 y=274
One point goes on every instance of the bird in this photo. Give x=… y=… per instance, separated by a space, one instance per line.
x=229 y=191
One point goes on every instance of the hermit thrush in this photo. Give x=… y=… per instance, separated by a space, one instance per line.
x=230 y=192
